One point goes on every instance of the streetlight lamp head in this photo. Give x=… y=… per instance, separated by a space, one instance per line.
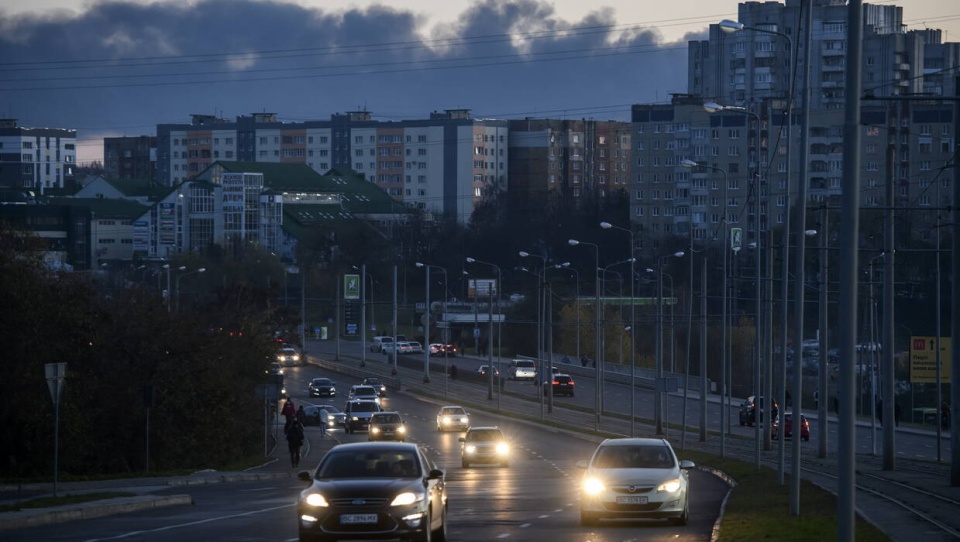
x=686 y=162
x=650 y=270
x=713 y=107
x=470 y=260
x=810 y=233
x=165 y=266
x=573 y=242
x=202 y=270
x=730 y=27
x=606 y=225
x=182 y=268
x=524 y=253
x=419 y=264
x=679 y=254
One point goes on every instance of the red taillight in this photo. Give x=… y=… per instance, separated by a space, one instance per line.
x=571 y=382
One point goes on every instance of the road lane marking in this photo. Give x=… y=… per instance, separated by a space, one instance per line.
x=192 y=523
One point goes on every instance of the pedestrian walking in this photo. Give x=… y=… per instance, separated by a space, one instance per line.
x=289 y=411
x=944 y=415
x=583 y=360
x=294 y=442
x=301 y=416
x=453 y=371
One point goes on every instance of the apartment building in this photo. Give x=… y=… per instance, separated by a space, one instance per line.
x=744 y=67
x=36 y=159
x=444 y=164
x=130 y=157
x=568 y=158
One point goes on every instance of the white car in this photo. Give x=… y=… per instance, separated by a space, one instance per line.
x=635 y=478
x=484 y=445
x=365 y=393
x=288 y=356
x=452 y=417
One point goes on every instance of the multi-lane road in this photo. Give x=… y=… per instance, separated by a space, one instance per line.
x=535 y=498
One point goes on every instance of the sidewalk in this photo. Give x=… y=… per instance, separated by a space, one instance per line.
x=142 y=488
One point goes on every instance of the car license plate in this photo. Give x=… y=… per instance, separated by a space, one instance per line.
x=631 y=499
x=354 y=519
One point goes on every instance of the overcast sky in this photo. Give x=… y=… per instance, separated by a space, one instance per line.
x=121 y=68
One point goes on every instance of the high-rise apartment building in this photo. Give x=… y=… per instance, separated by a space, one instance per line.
x=36 y=158
x=907 y=143
x=130 y=157
x=747 y=66
x=567 y=158
x=444 y=164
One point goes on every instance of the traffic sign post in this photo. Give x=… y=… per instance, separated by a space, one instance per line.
x=55 y=374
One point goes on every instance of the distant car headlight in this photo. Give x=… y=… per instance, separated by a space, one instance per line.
x=502 y=448
x=464 y=420
x=593 y=486
x=374 y=430
x=446 y=419
x=670 y=486
x=470 y=449
x=316 y=499
x=401 y=429
x=405 y=498
x=355 y=418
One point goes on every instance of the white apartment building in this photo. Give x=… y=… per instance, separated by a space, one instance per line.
x=445 y=164
x=36 y=159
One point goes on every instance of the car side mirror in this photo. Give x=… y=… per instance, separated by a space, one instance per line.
x=462 y=439
x=582 y=464
x=687 y=464
x=434 y=474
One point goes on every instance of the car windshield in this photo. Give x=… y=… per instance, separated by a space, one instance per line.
x=364 y=390
x=454 y=412
x=484 y=436
x=321 y=382
x=385 y=418
x=365 y=406
x=633 y=457
x=332 y=409
x=372 y=382
x=369 y=464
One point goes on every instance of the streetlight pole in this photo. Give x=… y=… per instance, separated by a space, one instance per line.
x=723 y=328
x=180 y=276
x=633 y=326
x=490 y=338
x=566 y=265
x=167 y=291
x=597 y=360
x=426 y=325
x=658 y=384
x=541 y=328
x=729 y=27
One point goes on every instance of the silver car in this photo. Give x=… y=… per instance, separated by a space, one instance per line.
x=634 y=478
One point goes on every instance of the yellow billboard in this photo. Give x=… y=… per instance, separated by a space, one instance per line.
x=923 y=360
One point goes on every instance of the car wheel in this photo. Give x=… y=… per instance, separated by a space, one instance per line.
x=465 y=464
x=587 y=519
x=427 y=534
x=682 y=520
x=440 y=535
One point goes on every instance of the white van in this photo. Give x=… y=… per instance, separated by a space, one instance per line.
x=522 y=369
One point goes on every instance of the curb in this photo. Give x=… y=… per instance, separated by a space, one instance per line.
x=60 y=514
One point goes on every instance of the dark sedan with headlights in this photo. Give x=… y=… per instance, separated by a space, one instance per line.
x=373 y=490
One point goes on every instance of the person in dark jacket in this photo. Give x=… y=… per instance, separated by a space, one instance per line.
x=294 y=442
